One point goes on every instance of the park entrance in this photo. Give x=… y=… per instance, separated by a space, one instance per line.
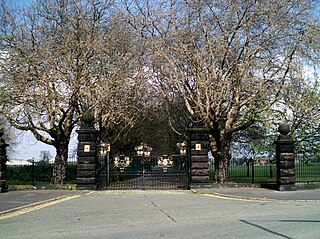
x=97 y=169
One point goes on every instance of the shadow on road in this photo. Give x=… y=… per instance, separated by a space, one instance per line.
x=266 y=229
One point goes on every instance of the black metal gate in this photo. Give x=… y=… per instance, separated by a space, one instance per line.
x=138 y=172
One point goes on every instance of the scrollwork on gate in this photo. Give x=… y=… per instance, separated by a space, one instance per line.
x=165 y=161
x=122 y=162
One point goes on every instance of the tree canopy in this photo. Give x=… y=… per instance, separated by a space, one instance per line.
x=60 y=59
x=230 y=61
x=227 y=65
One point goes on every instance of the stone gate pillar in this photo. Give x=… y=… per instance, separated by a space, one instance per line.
x=199 y=160
x=3 y=166
x=285 y=160
x=87 y=156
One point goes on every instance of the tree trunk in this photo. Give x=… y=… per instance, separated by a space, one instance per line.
x=221 y=153
x=60 y=165
x=221 y=166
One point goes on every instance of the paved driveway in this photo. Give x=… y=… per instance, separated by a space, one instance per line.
x=164 y=214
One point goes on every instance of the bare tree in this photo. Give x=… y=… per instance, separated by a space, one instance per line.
x=228 y=60
x=58 y=60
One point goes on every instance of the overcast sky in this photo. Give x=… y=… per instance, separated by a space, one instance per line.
x=29 y=147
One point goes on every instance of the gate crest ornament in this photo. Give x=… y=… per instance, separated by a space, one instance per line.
x=165 y=161
x=143 y=150
x=122 y=162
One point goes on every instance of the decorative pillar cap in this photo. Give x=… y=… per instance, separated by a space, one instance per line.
x=87 y=117
x=284 y=129
x=87 y=126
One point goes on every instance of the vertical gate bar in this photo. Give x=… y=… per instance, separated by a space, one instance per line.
x=143 y=172
x=33 y=172
x=252 y=171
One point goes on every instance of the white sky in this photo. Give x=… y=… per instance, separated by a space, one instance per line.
x=28 y=147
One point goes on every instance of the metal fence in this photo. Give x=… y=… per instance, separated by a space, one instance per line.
x=34 y=172
x=250 y=172
x=146 y=173
x=253 y=172
x=307 y=171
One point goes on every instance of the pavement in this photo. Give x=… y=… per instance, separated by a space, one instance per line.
x=18 y=200
x=261 y=194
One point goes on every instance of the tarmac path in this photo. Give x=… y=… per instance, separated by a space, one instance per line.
x=164 y=214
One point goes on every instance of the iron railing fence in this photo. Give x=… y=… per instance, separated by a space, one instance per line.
x=307 y=171
x=148 y=180
x=154 y=177
x=267 y=173
x=249 y=173
x=34 y=172
x=148 y=173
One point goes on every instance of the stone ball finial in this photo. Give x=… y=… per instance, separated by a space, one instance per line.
x=88 y=117
x=284 y=129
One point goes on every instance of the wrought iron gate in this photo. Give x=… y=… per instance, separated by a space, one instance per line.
x=140 y=172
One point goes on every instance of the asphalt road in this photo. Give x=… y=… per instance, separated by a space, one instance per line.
x=164 y=214
x=16 y=199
